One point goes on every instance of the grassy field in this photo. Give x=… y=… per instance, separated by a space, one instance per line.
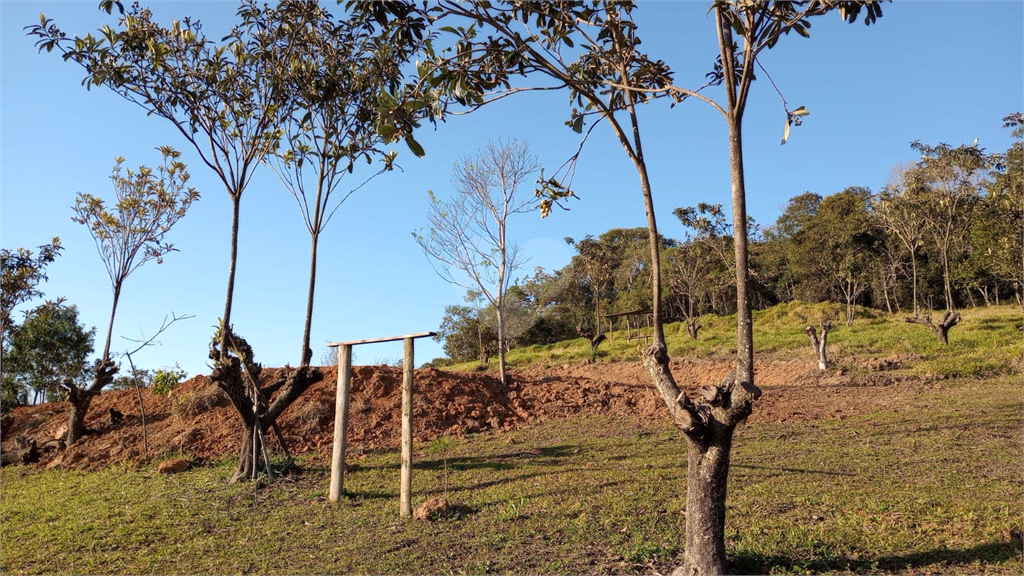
x=986 y=342
x=923 y=482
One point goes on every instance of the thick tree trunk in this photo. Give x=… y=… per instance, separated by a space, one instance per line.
x=80 y=400
x=706 y=484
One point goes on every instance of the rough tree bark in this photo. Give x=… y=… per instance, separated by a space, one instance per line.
x=239 y=377
x=81 y=397
x=941 y=331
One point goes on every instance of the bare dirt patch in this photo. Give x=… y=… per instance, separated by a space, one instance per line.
x=197 y=420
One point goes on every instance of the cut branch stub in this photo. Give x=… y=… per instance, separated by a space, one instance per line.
x=941 y=331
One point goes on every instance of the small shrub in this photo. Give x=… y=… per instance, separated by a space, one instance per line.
x=313 y=417
x=167 y=380
x=192 y=404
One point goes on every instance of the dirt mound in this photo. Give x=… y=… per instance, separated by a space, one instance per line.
x=198 y=420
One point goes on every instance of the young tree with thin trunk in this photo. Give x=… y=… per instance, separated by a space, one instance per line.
x=329 y=125
x=592 y=50
x=468 y=234
x=128 y=235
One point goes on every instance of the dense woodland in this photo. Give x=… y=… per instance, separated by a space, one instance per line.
x=948 y=227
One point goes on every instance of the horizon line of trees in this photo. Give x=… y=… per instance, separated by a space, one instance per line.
x=945 y=232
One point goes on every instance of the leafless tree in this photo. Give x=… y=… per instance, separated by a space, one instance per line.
x=468 y=235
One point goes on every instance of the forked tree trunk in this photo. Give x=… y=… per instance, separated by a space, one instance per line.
x=941 y=330
x=819 y=345
x=692 y=327
x=81 y=398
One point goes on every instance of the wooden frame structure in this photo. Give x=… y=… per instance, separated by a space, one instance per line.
x=638 y=314
x=344 y=385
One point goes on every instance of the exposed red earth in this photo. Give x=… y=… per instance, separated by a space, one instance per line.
x=197 y=420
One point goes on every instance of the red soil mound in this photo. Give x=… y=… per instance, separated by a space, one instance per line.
x=197 y=418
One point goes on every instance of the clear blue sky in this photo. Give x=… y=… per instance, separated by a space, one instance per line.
x=933 y=71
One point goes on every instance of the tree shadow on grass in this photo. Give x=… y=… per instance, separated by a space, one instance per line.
x=939 y=559
x=795 y=470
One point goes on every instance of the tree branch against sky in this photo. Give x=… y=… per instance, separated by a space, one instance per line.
x=608 y=78
x=127 y=235
x=55 y=113
x=468 y=234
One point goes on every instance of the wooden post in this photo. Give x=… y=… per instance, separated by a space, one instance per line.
x=341 y=420
x=405 y=498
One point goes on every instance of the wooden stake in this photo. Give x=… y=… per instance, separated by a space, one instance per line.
x=341 y=421
x=405 y=498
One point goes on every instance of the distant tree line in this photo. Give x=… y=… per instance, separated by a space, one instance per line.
x=946 y=232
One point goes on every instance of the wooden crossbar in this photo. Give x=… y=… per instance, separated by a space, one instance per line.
x=385 y=339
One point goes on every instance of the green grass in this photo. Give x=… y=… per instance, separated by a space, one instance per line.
x=986 y=342
x=926 y=480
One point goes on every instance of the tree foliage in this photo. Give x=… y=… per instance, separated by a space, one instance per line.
x=48 y=353
x=20 y=274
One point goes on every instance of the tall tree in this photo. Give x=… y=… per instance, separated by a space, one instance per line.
x=608 y=79
x=20 y=273
x=128 y=235
x=900 y=208
x=219 y=96
x=841 y=239
x=469 y=235
x=228 y=99
x=329 y=126
x=950 y=181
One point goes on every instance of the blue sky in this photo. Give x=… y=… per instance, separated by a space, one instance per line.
x=933 y=71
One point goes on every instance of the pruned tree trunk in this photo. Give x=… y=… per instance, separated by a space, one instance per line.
x=941 y=330
x=594 y=343
x=81 y=398
x=692 y=327
x=818 y=345
x=239 y=378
